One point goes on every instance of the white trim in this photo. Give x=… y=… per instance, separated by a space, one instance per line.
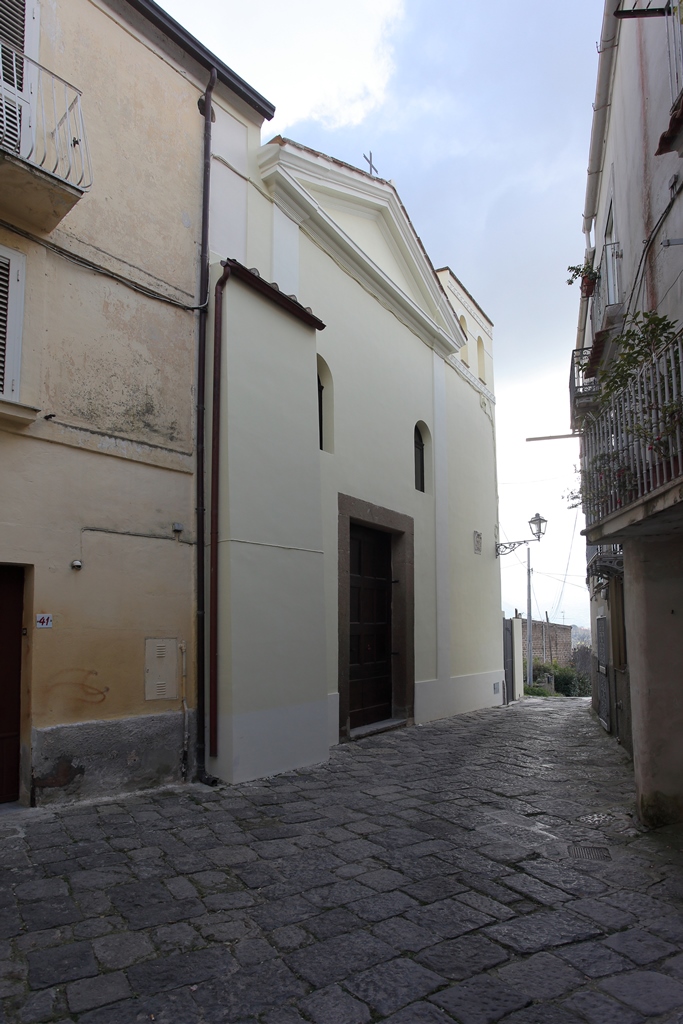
x=471 y=378
x=439 y=698
x=281 y=168
x=442 y=529
x=474 y=312
x=15 y=321
x=32 y=31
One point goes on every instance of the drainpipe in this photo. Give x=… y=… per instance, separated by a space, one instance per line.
x=215 y=484
x=609 y=41
x=201 y=400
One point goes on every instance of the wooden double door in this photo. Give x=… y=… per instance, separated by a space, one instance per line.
x=370 y=676
x=11 y=616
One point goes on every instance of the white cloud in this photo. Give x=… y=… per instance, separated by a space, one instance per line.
x=313 y=60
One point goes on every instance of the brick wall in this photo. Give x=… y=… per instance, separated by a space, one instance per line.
x=558 y=641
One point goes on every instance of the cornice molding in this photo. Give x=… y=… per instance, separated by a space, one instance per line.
x=467 y=375
x=281 y=169
x=471 y=309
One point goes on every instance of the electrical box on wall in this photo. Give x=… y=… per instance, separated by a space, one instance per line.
x=161 y=669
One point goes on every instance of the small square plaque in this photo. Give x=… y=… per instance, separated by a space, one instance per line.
x=44 y=620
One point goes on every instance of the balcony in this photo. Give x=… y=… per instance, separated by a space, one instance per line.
x=583 y=389
x=606 y=562
x=633 y=446
x=607 y=297
x=44 y=159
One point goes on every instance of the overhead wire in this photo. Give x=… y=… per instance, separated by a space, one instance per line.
x=97 y=268
x=556 y=606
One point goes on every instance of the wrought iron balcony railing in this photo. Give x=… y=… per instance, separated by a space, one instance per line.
x=41 y=120
x=607 y=561
x=634 y=445
x=583 y=391
x=608 y=285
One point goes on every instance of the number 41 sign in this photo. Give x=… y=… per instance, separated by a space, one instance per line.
x=44 y=621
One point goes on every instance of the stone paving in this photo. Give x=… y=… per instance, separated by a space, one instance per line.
x=485 y=868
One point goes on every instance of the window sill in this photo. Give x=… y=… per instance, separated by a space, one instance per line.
x=14 y=412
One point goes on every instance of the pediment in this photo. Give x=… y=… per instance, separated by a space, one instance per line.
x=363 y=220
x=370 y=228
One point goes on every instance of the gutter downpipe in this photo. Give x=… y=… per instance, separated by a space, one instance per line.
x=201 y=429
x=215 y=485
x=609 y=40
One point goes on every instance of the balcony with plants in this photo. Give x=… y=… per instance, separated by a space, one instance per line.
x=44 y=160
x=632 y=434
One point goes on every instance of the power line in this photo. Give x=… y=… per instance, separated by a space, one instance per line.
x=566 y=571
x=560 y=580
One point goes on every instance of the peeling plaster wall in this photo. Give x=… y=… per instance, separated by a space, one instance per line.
x=107 y=467
x=95 y=759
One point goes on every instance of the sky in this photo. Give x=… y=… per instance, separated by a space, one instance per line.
x=480 y=114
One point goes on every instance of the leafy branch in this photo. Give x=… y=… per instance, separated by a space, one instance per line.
x=643 y=341
x=582 y=271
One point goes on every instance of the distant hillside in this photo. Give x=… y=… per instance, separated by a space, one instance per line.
x=581 y=635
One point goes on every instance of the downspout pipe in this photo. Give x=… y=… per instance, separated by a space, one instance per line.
x=215 y=486
x=609 y=40
x=201 y=431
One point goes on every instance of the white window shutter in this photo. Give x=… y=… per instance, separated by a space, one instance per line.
x=4 y=317
x=12 y=268
x=13 y=22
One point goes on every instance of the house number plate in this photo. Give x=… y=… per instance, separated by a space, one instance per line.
x=44 y=621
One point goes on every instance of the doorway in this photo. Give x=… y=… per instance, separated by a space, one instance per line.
x=11 y=617
x=370 y=689
x=376 y=616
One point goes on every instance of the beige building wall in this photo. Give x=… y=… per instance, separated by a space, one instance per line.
x=96 y=450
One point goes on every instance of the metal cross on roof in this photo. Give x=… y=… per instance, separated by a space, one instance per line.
x=372 y=168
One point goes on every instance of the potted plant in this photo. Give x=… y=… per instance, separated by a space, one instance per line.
x=588 y=277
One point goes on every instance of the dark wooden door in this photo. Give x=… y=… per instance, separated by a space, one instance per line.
x=370 y=656
x=508 y=661
x=11 y=613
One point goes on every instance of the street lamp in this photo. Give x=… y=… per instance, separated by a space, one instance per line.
x=537 y=525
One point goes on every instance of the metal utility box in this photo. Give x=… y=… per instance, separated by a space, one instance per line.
x=161 y=669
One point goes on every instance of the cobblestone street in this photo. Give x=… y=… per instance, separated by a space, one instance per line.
x=480 y=869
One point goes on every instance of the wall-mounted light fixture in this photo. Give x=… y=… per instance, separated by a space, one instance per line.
x=537 y=525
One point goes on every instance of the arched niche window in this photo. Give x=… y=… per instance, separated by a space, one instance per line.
x=464 y=354
x=423 y=457
x=419 y=460
x=481 y=360
x=325 y=407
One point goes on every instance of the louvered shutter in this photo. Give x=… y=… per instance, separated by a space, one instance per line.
x=13 y=22
x=4 y=318
x=12 y=272
x=12 y=31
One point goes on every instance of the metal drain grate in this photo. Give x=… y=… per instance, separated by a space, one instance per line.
x=590 y=852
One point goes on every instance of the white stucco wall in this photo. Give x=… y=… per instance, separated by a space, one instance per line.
x=272 y=702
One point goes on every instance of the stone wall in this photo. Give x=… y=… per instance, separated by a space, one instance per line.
x=557 y=639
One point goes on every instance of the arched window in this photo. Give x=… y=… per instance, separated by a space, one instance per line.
x=419 y=461
x=325 y=407
x=481 y=361
x=320 y=411
x=464 y=355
